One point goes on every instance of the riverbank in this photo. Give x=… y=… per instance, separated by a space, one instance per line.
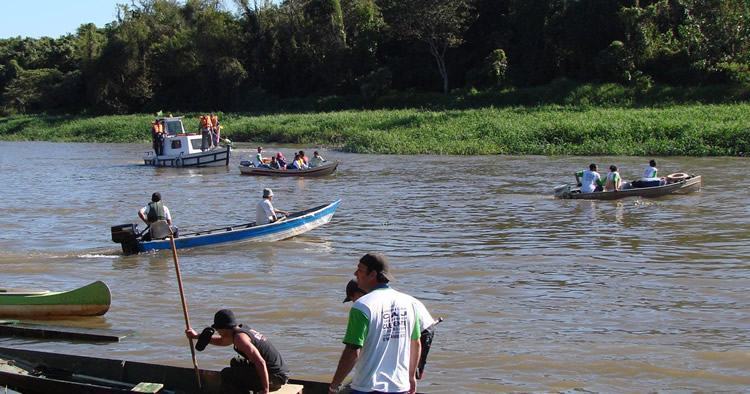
x=690 y=130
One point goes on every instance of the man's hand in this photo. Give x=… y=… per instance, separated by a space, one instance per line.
x=412 y=385
x=190 y=333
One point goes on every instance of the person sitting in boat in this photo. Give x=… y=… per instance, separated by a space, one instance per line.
x=590 y=180
x=297 y=163
x=274 y=163
x=614 y=181
x=651 y=171
x=156 y=210
x=650 y=177
x=281 y=160
x=317 y=160
x=258 y=367
x=258 y=159
x=304 y=158
x=265 y=212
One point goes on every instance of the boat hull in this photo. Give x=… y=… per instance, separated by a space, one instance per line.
x=296 y=224
x=99 y=375
x=213 y=157
x=90 y=300
x=326 y=169
x=689 y=185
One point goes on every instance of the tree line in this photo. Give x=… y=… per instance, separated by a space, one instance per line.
x=197 y=55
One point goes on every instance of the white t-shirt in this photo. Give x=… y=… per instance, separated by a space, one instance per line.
x=383 y=363
x=425 y=318
x=264 y=212
x=588 y=183
x=650 y=172
x=147 y=208
x=258 y=160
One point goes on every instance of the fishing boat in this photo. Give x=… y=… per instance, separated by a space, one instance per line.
x=678 y=183
x=90 y=300
x=29 y=371
x=295 y=224
x=325 y=169
x=183 y=149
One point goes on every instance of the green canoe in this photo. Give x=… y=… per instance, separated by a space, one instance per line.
x=90 y=300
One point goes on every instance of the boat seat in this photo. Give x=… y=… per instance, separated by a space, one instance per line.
x=290 y=389
x=160 y=229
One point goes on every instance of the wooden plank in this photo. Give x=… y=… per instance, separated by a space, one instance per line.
x=290 y=389
x=60 y=332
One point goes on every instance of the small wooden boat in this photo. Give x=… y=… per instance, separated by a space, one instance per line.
x=683 y=185
x=90 y=300
x=325 y=169
x=295 y=224
x=183 y=149
x=35 y=372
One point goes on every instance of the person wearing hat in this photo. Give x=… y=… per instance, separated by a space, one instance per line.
x=265 y=212
x=258 y=367
x=382 y=335
x=426 y=322
x=156 y=210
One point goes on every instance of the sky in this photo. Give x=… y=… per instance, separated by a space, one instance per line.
x=54 y=18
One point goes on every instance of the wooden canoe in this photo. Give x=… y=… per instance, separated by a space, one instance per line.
x=325 y=169
x=62 y=373
x=295 y=224
x=691 y=184
x=90 y=300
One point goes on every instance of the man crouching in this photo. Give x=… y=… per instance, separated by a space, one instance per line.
x=259 y=366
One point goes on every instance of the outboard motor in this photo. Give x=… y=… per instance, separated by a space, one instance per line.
x=127 y=236
x=562 y=191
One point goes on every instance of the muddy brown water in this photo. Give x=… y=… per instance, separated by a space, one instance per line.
x=537 y=294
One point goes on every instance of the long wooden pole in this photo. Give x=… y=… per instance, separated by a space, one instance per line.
x=184 y=308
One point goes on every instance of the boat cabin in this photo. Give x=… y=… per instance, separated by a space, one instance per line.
x=176 y=140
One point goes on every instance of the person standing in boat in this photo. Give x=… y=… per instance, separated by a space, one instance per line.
x=156 y=210
x=258 y=366
x=265 y=212
x=382 y=335
x=589 y=180
x=205 y=127
x=157 y=136
x=215 y=130
x=614 y=181
x=426 y=322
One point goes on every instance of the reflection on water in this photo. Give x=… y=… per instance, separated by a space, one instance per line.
x=537 y=294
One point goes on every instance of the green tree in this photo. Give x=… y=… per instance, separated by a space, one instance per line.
x=438 y=23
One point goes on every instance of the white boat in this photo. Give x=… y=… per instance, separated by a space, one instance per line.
x=183 y=149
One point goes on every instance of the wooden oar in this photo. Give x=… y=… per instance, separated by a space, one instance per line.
x=184 y=307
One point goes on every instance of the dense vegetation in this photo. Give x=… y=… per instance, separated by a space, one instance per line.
x=674 y=130
x=195 y=55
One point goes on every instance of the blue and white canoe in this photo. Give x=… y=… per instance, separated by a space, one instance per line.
x=295 y=224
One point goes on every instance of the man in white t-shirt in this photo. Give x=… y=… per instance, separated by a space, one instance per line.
x=651 y=171
x=590 y=180
x=382 y=335
x=426 y=322
x=258 y=159
x=265 y=212
x=156 y=210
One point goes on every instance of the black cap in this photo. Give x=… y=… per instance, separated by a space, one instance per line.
x=156 y=197
x=224 y=319
x=378 y=263
x=351 y=288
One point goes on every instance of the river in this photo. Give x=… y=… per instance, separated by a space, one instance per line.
x=537 y=294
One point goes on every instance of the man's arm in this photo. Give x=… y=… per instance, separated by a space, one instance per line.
x=416 y=350
x=251 y=352
x=348 y=359
x=142 y=215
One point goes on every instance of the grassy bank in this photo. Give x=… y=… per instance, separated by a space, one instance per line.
x=698 y=130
